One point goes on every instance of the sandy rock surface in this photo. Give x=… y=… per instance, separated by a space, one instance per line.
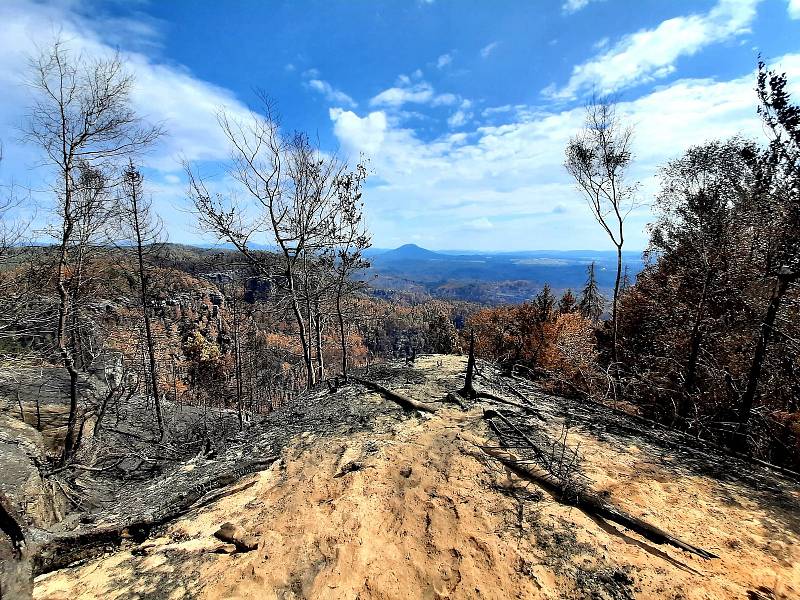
x=413 y=509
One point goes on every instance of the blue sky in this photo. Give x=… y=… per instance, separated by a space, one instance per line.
x=462 y=107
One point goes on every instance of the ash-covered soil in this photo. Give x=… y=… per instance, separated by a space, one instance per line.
x=367 y=500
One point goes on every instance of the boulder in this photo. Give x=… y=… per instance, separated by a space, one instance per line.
x=26 y=500
x=233 y=534
x=22 y=453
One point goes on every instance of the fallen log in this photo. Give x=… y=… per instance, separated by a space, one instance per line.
x=524 y=407
x=56 y=551
x=490 y=414
x=591 y=503
x=401 y=399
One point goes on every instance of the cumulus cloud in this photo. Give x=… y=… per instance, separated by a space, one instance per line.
x=408 y=92
x=794 y=9
x=461 y=116
x=162 y=93
x=397 y=96
x=359 y=134
x=511 y=173
x=651 y=54
x=457 y=119
x=330 y=93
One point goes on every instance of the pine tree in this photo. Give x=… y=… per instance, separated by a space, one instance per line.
x=545 y=302
x=592 y=302
x=626 y=280
x=568 y=302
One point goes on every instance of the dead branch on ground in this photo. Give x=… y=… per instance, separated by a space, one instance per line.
x=401 y=399
x=59 y=550
x=562 y=482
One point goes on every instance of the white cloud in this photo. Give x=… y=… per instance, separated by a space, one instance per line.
x=461 y=116
x=330 y=93
x=162 y=93
x=794 y=9
x=572 y=6
x=511 y=174
x=496 y=110
x=444 y=60
x=601 y=43
x=359 y=134
x=651 y=53
x=457 y=119
x=446 y=99
x=488 y=49
x=407 y=92
x=397 y=96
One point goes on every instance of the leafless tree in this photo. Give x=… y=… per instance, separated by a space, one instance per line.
x=292 y=188
x=81 y=117
x=92 y=212
x=598 y=157
x=143 y=231
x=346 y=256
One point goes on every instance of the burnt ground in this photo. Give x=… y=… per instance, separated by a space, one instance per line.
x=369 y=500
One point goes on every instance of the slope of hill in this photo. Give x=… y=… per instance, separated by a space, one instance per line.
x=367 y=500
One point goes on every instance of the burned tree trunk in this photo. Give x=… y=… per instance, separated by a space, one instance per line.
x=59 y=550
x=759 y=355
x=401 y=399
x=468 y=391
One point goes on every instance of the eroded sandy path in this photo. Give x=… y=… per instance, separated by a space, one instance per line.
x=414 y=510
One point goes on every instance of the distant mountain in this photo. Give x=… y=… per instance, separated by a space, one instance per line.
x=408 y=252
x=506 y=277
